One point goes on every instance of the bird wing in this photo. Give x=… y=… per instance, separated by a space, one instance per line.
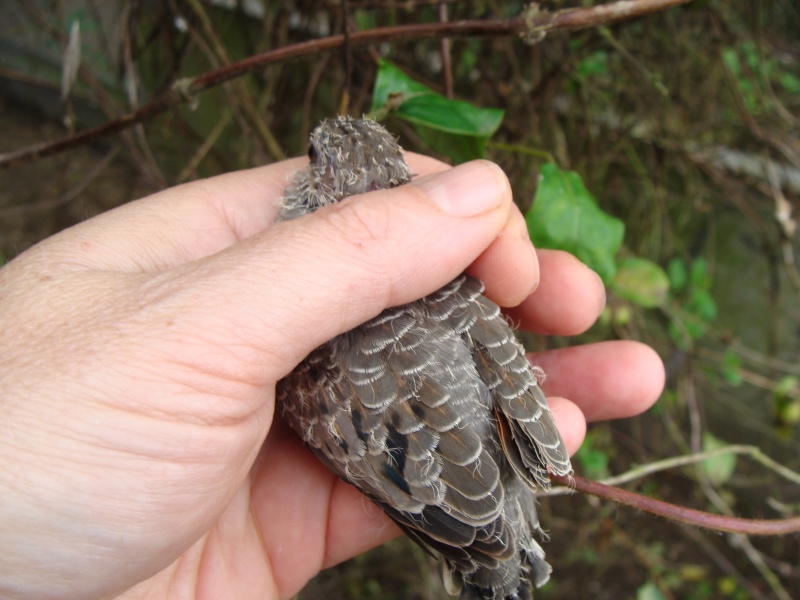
x=397 y=408
x=526 y=427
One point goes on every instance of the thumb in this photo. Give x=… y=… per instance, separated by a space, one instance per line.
x=295 y=286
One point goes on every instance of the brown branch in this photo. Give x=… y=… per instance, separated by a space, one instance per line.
x=608 y=14
x=532 y=24
x=681 y=514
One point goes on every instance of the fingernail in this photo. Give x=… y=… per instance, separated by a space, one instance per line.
x=467 y=190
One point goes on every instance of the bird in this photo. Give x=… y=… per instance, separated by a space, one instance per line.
x=431 y=409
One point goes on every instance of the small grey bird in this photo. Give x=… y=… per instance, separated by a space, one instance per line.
x=431 y=408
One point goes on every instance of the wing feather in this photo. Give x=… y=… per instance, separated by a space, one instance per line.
x=430 y=409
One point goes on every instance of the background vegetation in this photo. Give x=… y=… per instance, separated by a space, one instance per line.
x=682 y=125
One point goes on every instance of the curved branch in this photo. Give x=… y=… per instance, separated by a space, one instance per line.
x=681 y=514
x=531 y=24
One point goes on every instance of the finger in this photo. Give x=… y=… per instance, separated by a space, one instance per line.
x=570 y=422
x=568 y=300
x=189 y=221
x=355 y=525
x=307 y=517
x=334 y=513
x=509 y=267
x=608 y=380
x=312 y=278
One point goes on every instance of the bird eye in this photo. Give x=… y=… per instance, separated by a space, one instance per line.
x=312 y=153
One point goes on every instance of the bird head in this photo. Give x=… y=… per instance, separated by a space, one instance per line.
x=347 y=156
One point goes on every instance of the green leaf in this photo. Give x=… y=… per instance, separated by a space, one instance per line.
x=565 y=216
x=391 y=81
x=678 y=277
x=641 y=281
x=364 y=19
x=786 y=400
x=693 y=573
x=731 y=366
x=790 y=83
x=697 y=306
x=452 y=116
x=699 y=275
x=595 y=63
x=719 y=468
x=460 y=148
x=702 y=305
x=649 y=591
x=594 y=463
x=787 y=386
x=790 y=413
x=622 y=315
x=592 y=455
x=454 y=128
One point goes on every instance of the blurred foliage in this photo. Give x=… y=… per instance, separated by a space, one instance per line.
x=565 y=216
x=455 y=128
x=719 y=468
x=641 y=282
x=694 y=305
x=593 y=457
x=675 y=133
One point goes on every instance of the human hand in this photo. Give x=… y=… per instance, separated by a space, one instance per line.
x=139 y=357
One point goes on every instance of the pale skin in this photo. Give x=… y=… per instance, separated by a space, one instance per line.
x=140 y=452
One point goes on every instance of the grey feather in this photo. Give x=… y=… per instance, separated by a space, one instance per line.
x=431 y=408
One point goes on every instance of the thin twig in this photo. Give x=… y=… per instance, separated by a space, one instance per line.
x=681 y=514
x=753 y=452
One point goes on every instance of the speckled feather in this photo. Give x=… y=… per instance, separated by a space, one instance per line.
x=431 y=408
